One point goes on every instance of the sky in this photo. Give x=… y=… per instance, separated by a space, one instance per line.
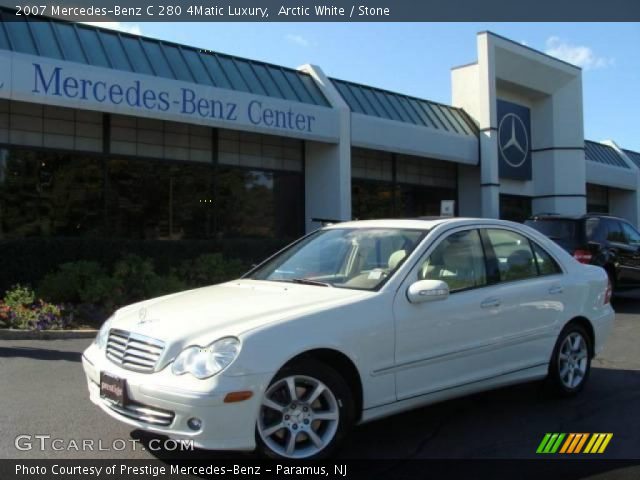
x=416 y=58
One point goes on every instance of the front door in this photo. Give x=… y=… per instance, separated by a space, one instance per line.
x=446 y=343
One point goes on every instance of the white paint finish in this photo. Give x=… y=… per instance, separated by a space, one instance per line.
x=510 y=186
x=21 y=69
x=489 y=178
x=381 y=134
x=469 y=191
x=276 y=322
x=465 y=89
x=610 y=176
x=560 y=172
x=327 y=184
x=553 y=92
x=558 y=205
x=624 y=204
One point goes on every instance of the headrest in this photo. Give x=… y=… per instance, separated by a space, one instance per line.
x=520 y=259
x=395 y=258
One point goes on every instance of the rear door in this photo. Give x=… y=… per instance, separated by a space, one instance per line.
x=623 y=253
x=632 y=240
x=532 y=292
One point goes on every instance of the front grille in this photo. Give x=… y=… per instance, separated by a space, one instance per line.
x=143 y=413
x=133 y=351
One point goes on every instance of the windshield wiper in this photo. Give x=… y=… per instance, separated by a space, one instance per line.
x=308 y=281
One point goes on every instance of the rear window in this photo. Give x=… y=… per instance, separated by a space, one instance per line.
x=561 y=229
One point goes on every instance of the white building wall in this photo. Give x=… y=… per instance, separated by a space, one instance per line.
x=328 y=166
x=553 y=92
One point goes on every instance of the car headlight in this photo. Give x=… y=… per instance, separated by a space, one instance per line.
x=204 y=362
x=103 y=334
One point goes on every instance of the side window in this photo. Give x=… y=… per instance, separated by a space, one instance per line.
x=513 y=252
x=546 y=264
x=614 y=232
x=457 y=260
x=594 y=229
x=631 y=235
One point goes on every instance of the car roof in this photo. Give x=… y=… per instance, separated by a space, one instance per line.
x=555 y=216
x=425 y=223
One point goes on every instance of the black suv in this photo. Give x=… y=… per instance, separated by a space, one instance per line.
x=609 y=242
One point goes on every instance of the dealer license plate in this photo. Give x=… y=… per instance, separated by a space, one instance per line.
x=113 y=388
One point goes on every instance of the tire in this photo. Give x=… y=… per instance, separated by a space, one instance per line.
x=572 y=353
x=312 y=425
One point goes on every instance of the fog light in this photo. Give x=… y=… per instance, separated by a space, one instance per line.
x=194 y=423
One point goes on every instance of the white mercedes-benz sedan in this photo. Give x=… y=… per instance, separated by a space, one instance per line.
x=351 y=323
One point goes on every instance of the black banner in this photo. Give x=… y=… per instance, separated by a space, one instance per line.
x=327 y=10
x=543 y=469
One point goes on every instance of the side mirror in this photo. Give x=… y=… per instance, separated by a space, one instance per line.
x=427 y=291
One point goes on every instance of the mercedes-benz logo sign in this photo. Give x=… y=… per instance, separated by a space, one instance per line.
x=513 y=140
x=142 y=316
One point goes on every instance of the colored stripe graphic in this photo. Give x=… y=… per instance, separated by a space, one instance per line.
x=573 y=443
x=567 y=443
x=543 y=443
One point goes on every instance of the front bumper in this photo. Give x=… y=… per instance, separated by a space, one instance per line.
x=162 y=403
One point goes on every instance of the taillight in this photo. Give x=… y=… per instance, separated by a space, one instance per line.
x=608 y=292
x=583 y=256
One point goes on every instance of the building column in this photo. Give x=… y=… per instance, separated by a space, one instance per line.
x=489 y=177
x=328 y=165
x=488 y=137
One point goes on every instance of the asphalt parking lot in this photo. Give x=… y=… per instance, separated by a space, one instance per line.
x=43 y=391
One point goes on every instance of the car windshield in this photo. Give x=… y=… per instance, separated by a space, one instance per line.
x=356 y=258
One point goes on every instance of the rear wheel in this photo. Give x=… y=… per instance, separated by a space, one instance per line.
x=305 y=412
x=571 y=361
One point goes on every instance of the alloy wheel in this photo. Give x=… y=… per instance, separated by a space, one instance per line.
x=299 y=416
x=572 y=360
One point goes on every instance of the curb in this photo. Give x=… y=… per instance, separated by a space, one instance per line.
x=16 y=334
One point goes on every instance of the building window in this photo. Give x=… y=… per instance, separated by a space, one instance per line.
x=46 y=193
x=50 y=194
x=371 y=199
x=151 y=199
x=515 y=208
x=597 y=198
x=420 y=201
x=391 y=186
x=259 y=203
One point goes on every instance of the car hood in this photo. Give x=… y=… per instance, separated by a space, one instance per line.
x=227 y=309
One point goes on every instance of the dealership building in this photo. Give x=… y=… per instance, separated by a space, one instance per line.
x=108 y=134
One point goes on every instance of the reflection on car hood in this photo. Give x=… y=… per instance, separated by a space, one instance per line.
x=227 y=309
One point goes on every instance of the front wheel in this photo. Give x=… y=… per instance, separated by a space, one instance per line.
x=305 y=412
x=571 y=361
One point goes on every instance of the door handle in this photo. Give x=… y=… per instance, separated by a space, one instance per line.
x=491 y=303
x=556 y=289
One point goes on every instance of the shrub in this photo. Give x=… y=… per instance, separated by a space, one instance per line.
x=91 y=292
x=19 y=309
x=19 y=295
x=210 y=269
x=75 y=282
x=135 y=278
x=28 y=260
